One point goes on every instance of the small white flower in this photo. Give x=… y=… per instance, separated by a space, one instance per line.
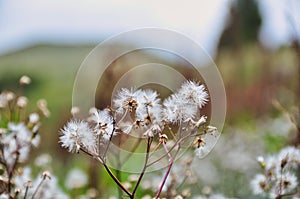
x=76 y=179
x=21 y=132
x=43 y=160
x=36 y=140
x=271 y=163
x=291 y=154
x=288 y=182
x=22 y=178
x=77 y=134
x=4 y=196
x=259 y=184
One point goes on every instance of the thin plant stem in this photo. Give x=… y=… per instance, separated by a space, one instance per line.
x=117 y=181
x=10 y=171
x=38 y=187
x=176 y=143
x=167 y=173
x=123 y=117
x=149 y=141
x=26 y=191
x=112 y=133
x=118 y=170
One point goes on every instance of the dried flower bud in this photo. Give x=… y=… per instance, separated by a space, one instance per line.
x=163 y=138
x=199 y=141
x=93 y=111
x=24 y=80
x=42 y=105
x=186 y=193
x=28 y=184
x=9 y=95
x=46 y=174
x=75 y=110
x=211 y=130
x=22 y=102
x=178 y=197
x=17 y=191
x=34 y=118
x=3 y=101
x=261 y=161
x=127 y=185
x=201 y=121
x=92 y=193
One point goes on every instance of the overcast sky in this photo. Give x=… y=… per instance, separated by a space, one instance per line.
x=27 y=22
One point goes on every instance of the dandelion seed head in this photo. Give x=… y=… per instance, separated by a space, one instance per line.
x=194 y=93
x=126 y=99
x=288 y=182
x=77 y=134
x=291 y=154
x=104 y=123
x=177 y=109
x=24 y=80
x=149 y=108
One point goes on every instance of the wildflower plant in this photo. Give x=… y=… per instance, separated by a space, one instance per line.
x=19 y=132
x=280 y=174
x=162 y=128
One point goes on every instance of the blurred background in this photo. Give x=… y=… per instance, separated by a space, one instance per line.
x=255 y=45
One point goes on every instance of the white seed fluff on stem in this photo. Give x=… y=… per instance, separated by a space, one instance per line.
x=291 y=153
x=126 y=100
x=288 y=182
x=77 y=134
x=104 y=123
x=194 y=93
x=149 y=108
x=177 y=109
x=259 y=184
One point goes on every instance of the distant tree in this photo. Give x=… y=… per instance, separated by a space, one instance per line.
x=243 y=24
